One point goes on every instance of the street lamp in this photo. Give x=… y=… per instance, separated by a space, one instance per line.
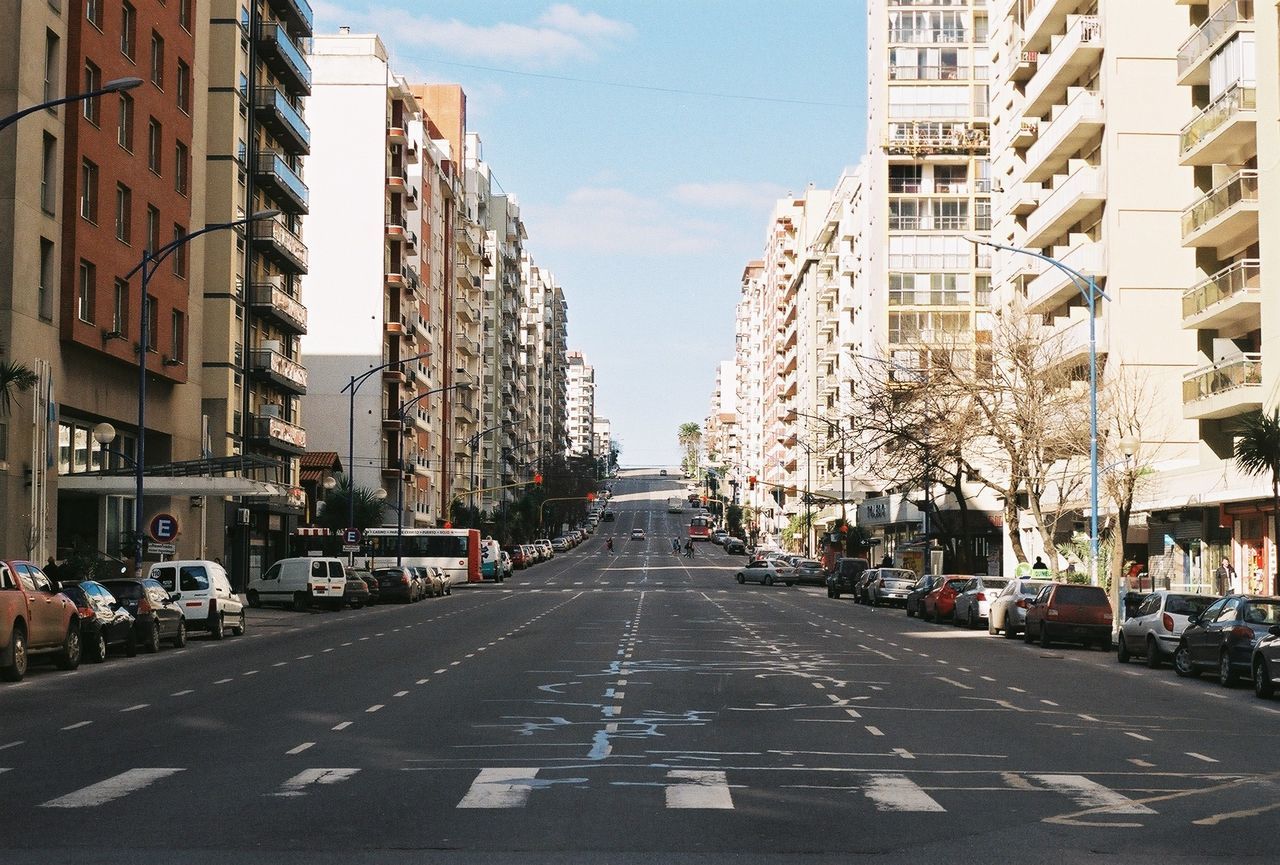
x=474 y=442
x=151 y=260
x=113 y=86
x=839 y=428
x=404 y=413
x=1089 y=290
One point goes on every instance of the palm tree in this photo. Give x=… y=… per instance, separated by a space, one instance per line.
x=368 y=510
x=14 y=378
x=1257 y=451
x=689 y=435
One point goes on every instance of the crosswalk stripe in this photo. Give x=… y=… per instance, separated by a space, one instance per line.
x=296 y=786
x=699 y=788
x=111 y=789
x=500 y=788
x=1090 y=794
x=899 y=793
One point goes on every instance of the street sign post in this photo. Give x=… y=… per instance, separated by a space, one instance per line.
x=163 y=528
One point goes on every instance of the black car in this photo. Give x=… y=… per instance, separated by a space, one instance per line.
x=398 y=584
x=1222 y=638
x=103 y=622
x=156 y=617
x=914 y=604
x=607 y=516
x=845 y=576
x=356 y=592
x=735 y=546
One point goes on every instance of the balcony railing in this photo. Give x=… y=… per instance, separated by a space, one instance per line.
x=1227 y=18
x=284 y=121
x=280 y=243
x=1208 y=122
x=277 y=175
x=1242 y=276
x=296 y=12
x=280 y=434
x=1240 y=187
x=1227 y=375
x=279 y=369
x=284 y=57
x=268 y=299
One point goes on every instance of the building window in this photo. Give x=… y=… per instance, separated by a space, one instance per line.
x=89 y=190
x=84 y=291
x=184 y=87
x=904 y=178
x=157 y=59
x=153 y=228
x=179 y=256
x=124 y=124
x=52 y=51
x=128 y=31
x=49 y=175
x=155 y=140
x=153 y=319
x=92 y=81
x=93 y=13
x=124 y=213
x=184 y=14
x=181 y=163
x=47 y=271
x=177 y=341
x=120 y=308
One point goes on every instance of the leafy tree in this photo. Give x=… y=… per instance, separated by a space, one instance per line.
x=368 y=507
x=1257 y=452
x=14 y=378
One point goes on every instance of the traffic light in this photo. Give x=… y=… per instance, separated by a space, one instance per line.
x=591 y=497
x=704 y=499
x=537 y=479
x=751 y=482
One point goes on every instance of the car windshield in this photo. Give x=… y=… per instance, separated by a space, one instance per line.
x=1187 y=605
x=1083 y=596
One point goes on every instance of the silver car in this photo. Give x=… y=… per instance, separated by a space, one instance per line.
x=765 y=571
x=890 y=586
x=1153 y=630
x=1007 y=614
x=973 y=604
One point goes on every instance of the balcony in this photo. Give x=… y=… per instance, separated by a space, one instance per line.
x=1068 y=339
x=1234 y=16
x=286 y=187
x=1044 y=19
x=296 y=12
x=1053 y=287
x=1230 y=301
x=1022 y=65
x=1025 y=197
x=274 y=367
x=1026 y=133
x=269 y=300
x=280 y=244
x=396 y=135
x=1227 y=217
x=1073 y=54
x=283 y=57
x=277 y=434
x=410 y=198
x=1071 y=127
x=395 y=183
x=1074 y=198
x=282 y=120
x=1224 y=133
x=467 y=346
x=1227 y=388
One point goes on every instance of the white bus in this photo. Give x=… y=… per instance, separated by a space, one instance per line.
x=456 y=552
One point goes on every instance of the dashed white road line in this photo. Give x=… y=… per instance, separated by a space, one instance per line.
x=375 y=707
x=1137 y=736
x=135 y=708
x=12 y=745
x=182 y=693
x=110 y=789
x=342 y=726
x=77 y=725
x=1202 y=757
x=874 y=731
x=299 y=749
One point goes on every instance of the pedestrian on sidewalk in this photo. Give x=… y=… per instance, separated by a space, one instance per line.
x=1224 y=578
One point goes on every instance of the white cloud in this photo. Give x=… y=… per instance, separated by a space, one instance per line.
x=729 y=195
x=564 y=17
x=606 y=219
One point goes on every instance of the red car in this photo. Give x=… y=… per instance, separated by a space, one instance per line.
x=1067 y=612
x=518 y=559
x=940 y=603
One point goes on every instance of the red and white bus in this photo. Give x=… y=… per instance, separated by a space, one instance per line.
x=456 y=552
x=700 y=528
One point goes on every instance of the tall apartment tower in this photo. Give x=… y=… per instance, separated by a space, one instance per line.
x=253 y=317
x=927 y=180
x=581 y=405
x=365 y=290
x=504 y=243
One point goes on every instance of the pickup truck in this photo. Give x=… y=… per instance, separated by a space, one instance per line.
x=35 y=618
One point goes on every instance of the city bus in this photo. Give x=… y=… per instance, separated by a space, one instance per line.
x=700 y=528
x=456 y=552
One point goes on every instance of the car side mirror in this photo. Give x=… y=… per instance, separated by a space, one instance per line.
x=1193 y=620
x=55 y=586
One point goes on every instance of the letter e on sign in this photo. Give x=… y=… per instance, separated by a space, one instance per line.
x=164 y=528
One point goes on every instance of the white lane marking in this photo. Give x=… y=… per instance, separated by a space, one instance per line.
x=296 y=785
x=298 y=750
x=111 y=789
x=441 y=670
x=620 y=695
x=375 y=707
x=1049 y=702
x=1016 y=690
x=222 y=681
x=899 y=793
x=399 y=693
x=853 y=713
x=280 y=664
x=342 y=726
x=904 y=753
x=1138 y=736
x=330 y=649
x=454 y=663
x=1090 y=794
x=1143 y=763
x=954 y=682
x=986 y=678
x=77 y=725
x=874 y=731
x=699 y=788
x=135 y=708
x=182 y=693
x=1201 y=757
x=11 y=745
x=818 y=685
x=303 y=657
x=422 y=681
x=1088 y=718
x=500 y=788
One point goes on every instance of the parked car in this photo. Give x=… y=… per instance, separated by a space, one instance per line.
x=914 y=603
x=300 y=582
x=507 y=566
x=531 y=555
x=845 y=576
x=34 y=619
x=940 y=603
x=1068 y=612
x=735 y=546
x=356 y=593
x=890 y=586
x=1266 y=663
x=1007 y=614
x=156 y=617
x=861 y=589
x=544 y=544
x=398 y=583
x=662 y=473
x=763 y=571
x=1223 y=637
x=203 y=591
x=637 y=534
x=103 y=622
x=1156 y=626
x=371 y=583
x=809 y=571
x=517 y=556
x=560 y=545
x=434 y=584
x=973 y=605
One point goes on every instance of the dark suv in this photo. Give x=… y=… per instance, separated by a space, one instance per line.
x=845 y=576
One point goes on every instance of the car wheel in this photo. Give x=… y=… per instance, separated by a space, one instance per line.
x=741 y=579
x=1010 y=632
x=69 y=657
x=911 y=614
x=239 y=627
x=788 y=584
x=835 y=593
x=1262 y=684
x=1045 y=642
x=152 y=645
x=1122 y=650
x=16 y=667
x=1182 y=662
x=98 y=649
x=180 y=638
x=829 y=595
x=254 y=600
x=299 y=601
x=1153 y=654
x=768 y=580
x=217 y=626
x=1226 y=673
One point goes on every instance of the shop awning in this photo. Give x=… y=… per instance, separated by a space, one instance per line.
x=121 y=485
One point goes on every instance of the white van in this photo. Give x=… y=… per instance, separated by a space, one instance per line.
x=491 y=560
x=299 y=583
x=203 y=592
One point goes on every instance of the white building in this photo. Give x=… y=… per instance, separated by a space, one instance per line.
x=581 y=405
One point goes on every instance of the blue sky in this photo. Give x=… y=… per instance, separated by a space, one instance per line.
x=646 y=204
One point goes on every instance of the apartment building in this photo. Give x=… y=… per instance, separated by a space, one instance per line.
x=602 y=436
x=510 y=461
x=581 y=393
x=544 y=348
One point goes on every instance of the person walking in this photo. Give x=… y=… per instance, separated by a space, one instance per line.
x=1224 y=577
x=675 y=546
x=688 y=549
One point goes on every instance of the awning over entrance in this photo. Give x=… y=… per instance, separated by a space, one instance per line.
x=120 y=485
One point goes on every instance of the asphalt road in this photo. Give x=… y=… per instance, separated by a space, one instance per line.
x=631 y=707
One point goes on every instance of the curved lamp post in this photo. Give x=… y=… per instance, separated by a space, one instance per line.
x=151 y=259
x=1089 y=290
x=113 y=86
